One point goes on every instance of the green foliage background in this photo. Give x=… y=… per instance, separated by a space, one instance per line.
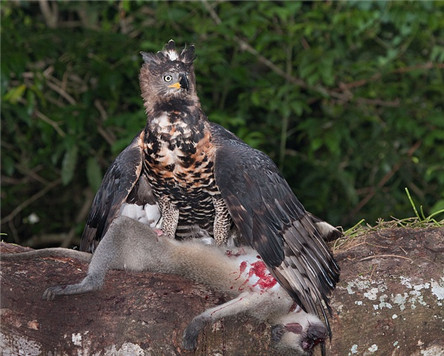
x=346 y=97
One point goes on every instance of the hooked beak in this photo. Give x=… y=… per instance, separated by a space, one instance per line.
x=182 y=83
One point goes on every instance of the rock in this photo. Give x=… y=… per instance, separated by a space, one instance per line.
x=391 y=295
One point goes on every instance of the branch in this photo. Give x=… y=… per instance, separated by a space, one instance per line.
x=31 y=173
x=385 y=256
x=54 y=124
x=50 y=15
x=391 y=104
x=32 y=199
x=108 y=136
x=62 y=92
x=101 y=109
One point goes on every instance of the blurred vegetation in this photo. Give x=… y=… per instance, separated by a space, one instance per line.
x=346 y=97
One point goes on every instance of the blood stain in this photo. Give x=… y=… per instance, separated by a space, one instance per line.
x=266 y=280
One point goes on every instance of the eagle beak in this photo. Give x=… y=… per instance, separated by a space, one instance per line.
x=175 y=85
x=184 y=81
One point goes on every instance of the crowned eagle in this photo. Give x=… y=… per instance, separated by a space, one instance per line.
x=201 y=174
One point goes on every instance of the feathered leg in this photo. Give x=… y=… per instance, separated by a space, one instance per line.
x=170 y=216
x=222 y=222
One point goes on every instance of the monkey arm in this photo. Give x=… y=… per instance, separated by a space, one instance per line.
x=121 y=248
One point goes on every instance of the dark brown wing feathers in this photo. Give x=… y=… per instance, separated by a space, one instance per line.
x=272 y=220
x=120 y=183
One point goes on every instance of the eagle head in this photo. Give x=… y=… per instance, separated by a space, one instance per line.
x=168 y=74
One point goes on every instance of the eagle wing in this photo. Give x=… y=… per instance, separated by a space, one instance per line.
x=272 y=220
x=122 y=183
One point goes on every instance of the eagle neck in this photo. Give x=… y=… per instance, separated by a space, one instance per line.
x=176 y=114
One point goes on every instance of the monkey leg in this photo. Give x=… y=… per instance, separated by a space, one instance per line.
x=242 y=303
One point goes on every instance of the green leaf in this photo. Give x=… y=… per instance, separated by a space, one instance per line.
x=69 y=164
x=93 y=173
x=14 y=94
x=8 y=165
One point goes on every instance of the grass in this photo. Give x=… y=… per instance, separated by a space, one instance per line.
x=420 y=221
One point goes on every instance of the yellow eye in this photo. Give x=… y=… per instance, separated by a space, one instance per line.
x=167 y=78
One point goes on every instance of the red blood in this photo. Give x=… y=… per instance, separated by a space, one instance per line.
x=239 y=252
x=242 y=268
x=266 y=280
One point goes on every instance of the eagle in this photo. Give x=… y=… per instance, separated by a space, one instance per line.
x=201 y=175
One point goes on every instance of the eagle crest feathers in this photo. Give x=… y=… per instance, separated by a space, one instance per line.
x=169 y=53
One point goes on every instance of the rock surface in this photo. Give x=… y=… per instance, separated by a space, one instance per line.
x=391 y=295
x=389 y=302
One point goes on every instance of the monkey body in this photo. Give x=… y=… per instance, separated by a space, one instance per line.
x=238 y=272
